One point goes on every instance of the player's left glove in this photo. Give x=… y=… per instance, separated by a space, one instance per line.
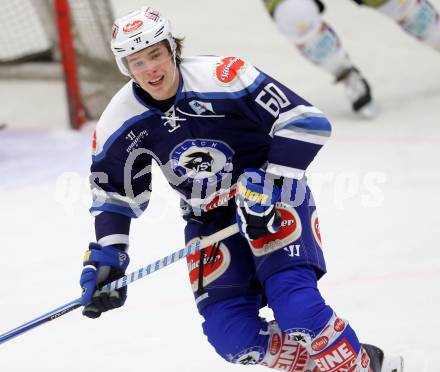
x=256 y=198
x=102 y=265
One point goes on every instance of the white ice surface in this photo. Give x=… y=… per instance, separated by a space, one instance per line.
x=377 y=184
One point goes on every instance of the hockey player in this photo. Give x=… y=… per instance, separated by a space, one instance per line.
x=235 y=144
x=419 y=18
x=301 y=22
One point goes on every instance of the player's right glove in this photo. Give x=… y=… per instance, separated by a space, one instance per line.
x=256 y=198
x=102 y=265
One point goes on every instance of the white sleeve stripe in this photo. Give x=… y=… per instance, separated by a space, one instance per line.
x=296 y=113
x=117 y=199
x=283 y=171
x=114 y=239
x=301 y=136
x=301 y=110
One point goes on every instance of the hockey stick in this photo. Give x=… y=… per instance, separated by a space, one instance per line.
x=124 y=281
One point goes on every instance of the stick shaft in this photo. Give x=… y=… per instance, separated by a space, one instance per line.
x=135 y=275
x=51 y=315
x=173 y=257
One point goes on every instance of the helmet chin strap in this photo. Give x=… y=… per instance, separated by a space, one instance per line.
x=135 y=81
x=175 y=65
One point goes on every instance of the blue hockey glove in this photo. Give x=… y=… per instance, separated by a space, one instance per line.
x=102 y=265
x=256 y=198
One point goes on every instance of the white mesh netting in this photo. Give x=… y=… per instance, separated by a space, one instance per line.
x=29 y=46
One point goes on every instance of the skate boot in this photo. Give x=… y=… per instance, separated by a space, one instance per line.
x=359 y=92
x=380 y=363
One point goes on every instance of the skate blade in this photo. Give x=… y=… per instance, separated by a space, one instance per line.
x=370 y=110
x=392 y=364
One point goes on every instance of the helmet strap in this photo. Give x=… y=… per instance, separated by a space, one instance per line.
x=175 y=64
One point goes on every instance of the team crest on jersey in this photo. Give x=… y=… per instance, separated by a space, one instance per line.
x=290 y=231
x=315 y=228
x=216 y=261
x=227 y=70
x=201 y=160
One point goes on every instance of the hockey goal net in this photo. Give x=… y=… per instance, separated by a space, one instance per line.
x=62 y=39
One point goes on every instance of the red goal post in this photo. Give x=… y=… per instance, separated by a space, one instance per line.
x=62 y=39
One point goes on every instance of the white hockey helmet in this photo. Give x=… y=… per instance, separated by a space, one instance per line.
x=139 y=30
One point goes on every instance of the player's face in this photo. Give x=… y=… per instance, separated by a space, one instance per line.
x=154 y=70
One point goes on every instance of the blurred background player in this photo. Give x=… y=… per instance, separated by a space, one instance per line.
x=301 y=22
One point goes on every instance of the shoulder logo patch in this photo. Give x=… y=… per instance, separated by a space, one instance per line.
x=227 y=70
x=200 y=107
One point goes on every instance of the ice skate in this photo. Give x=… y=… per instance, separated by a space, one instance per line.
x=359 y=93
x=382 y=363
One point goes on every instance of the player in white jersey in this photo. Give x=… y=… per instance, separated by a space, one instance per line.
x=235 y=144
x=302 y=23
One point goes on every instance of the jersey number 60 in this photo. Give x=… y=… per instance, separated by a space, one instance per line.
x=272 y=99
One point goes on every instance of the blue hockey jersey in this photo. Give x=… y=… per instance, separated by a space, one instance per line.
x=227 y=116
